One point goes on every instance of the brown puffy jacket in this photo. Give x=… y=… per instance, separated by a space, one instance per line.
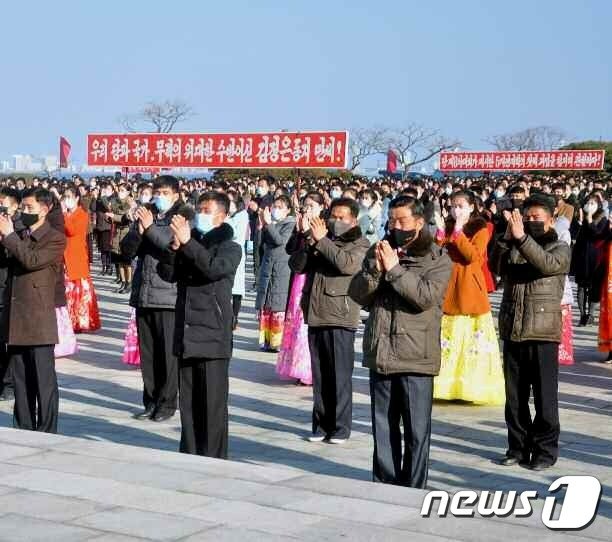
x=534 y=274
x=330 y=266
x=402 y=333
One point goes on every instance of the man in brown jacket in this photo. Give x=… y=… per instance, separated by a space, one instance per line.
x=533 y=264
x=331 y=254
x=402 y=283
x=28 y=325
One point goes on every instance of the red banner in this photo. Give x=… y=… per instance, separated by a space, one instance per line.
x=521 y=160
x=391 y=161
x=254 y=150
x=64 y=152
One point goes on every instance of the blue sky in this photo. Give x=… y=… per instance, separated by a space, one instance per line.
x=469 y=68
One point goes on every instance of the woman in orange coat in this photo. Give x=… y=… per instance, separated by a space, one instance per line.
x=471 y=368
x=80 y=293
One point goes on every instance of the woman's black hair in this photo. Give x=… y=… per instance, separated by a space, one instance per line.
x=315 y=196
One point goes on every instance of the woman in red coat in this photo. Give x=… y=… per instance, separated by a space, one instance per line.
x=80 y=293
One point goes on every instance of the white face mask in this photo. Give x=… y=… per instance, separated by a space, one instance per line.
x=590 y=207
x=460 y=212
x=70 y=204
x=277 y=214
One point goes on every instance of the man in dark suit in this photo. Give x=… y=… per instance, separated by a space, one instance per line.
x=28 y=325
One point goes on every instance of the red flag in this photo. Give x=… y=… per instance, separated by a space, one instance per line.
x=64 y=152
x=391 y=161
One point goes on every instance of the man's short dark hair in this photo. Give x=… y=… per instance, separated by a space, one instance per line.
x=410 y=192
x=285 y=200
x=517 y=189
x=346 y=202
x=220 y=198
x=416 y=207
x=166 y=181
x=11 y=193
x=41 y=195
x=540 y=199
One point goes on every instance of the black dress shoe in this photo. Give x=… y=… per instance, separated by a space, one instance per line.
x=146 y=413
x=509 y=460
x=539 y=464
x=162 y=416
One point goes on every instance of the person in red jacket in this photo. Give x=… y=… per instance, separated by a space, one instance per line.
x=80 y=293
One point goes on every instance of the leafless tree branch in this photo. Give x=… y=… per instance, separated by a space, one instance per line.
x=414 y=144
x=542 y=138
x=163 y=116
x=364 y=143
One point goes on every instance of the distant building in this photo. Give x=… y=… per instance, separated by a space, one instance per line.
x=50 y=163
x=22 y=162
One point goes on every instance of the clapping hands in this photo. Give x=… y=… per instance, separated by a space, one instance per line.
x=386 y=256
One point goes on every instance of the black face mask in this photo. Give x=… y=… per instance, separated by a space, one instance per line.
x=338 y=228
x=517 y=204
x=535 y=228
x=400 y=238
x=28 y=219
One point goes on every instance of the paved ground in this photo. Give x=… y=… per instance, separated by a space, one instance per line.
x=268 y=420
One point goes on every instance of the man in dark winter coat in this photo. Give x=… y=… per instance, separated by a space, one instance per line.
x=28 y=326
x=203 y=265
x=533 y=264
x=331 y=254
x=9 y=205
x=403 y=283
x=154 y=298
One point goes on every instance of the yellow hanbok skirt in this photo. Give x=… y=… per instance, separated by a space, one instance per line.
x=471 y=368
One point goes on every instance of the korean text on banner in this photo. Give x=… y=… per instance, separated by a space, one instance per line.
x=252 y=150
x=521 y=160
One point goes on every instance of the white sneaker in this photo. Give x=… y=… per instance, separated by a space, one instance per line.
x=315 y=438
x=334 y=440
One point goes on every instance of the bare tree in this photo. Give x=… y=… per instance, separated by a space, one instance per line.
x=414 y=144
x=163 y=116
x=364 y=143
x=538 y=138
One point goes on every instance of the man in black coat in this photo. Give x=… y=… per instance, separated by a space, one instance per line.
x=9 y=205
x=263 y=199
x=204 y=264
x=28 y=324
x=154 y=299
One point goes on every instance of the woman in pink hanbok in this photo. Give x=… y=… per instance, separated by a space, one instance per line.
x=294 y=357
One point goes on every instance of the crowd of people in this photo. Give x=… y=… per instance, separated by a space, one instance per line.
x=415 y=259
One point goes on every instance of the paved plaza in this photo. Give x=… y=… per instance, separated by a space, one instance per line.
x=277 y=484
